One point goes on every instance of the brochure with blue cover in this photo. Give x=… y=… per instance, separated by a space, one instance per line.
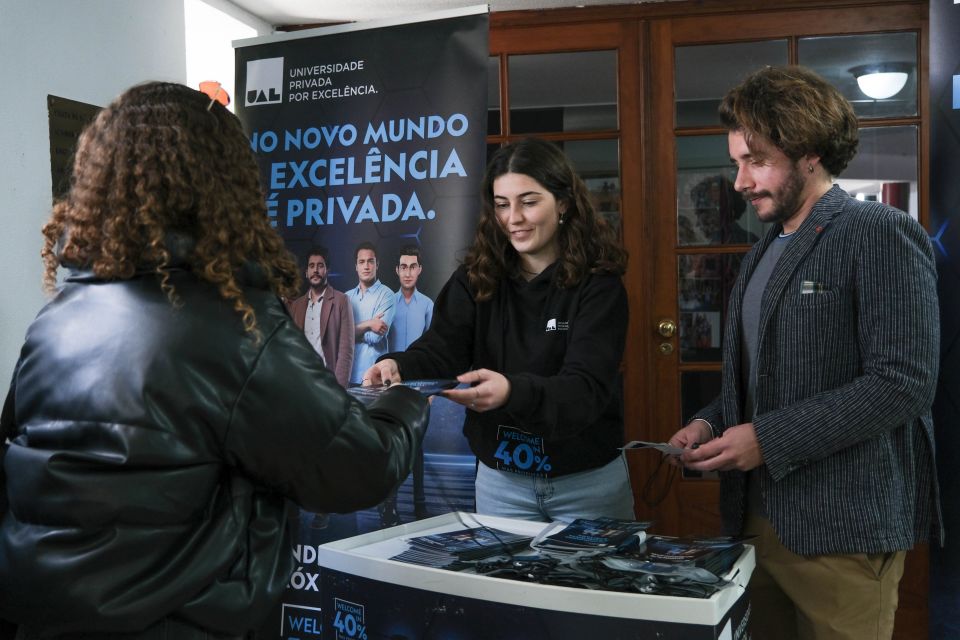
x=597 y=534
x=429 y=387
x=446 y=549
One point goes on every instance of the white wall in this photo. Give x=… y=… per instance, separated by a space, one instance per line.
x=85 y=50
x=210 y=32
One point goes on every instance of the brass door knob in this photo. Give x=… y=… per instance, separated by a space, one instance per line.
x=667 y=328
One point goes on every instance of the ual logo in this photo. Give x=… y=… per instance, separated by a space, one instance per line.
x=264 y=82
x=557 y=325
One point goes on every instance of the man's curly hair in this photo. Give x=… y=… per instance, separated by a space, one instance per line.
x=586 y=243
x=162 y=160
x=797 y=111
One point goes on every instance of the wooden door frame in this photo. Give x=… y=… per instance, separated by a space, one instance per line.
x=647 y=34
x=690 y=504
x=665 y=35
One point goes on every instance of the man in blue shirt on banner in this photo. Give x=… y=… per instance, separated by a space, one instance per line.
x=413 y=309
x=373 y=309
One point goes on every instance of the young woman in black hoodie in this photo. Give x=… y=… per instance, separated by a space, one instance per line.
x=534 y=322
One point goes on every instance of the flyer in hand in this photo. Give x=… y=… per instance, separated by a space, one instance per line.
x=662 y=447
x=429 y=387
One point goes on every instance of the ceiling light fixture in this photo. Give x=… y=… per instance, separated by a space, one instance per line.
x=882 y=80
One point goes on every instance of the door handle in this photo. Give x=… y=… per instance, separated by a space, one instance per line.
x=667 y=328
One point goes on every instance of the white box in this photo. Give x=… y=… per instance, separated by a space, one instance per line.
x=363 y=594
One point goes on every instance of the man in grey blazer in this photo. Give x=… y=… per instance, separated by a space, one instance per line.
x=822 y=431
x=326 y=317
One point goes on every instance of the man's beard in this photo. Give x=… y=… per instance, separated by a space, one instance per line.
x=786 y=200
x=320 y=285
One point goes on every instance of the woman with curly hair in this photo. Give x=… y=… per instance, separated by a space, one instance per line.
x=535 y=322
x=165 y=410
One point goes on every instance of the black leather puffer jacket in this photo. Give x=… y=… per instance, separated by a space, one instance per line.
x=154 y=451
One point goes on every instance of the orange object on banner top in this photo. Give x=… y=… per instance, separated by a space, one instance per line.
x=216 y=92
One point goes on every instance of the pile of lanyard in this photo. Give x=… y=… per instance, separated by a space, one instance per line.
x=602 y=571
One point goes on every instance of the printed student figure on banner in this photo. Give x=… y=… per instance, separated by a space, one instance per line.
x=165 y=412
x=326 y=316
x=413 y=310
x=822 y=432
x=373 y=309
x=544 y=402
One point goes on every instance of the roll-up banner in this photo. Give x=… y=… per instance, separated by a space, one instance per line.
x=371 y=141
x=945 y=234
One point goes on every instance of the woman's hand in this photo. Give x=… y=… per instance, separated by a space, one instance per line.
x=384 y=372
x=489 y=390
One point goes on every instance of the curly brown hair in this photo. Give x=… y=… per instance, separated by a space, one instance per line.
x=161 y=160
x=587 y=244
x=797 y=111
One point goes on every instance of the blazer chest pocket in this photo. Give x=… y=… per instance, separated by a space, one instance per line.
x=821 y=321
x=812 y=293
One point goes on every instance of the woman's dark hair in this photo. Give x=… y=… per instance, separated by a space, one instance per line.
x=586 y=242
x=797 y=111
x=163 y=159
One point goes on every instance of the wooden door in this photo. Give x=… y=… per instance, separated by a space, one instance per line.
x=667 y=171
x=700 y=232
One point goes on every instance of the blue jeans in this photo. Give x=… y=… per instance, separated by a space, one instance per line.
x=604 y=491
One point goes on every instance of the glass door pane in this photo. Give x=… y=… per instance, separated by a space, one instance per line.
x=704 y=280
x=841 y=60
x=493 y=96
x=704 y=73
x=709 y=210
x=557 y=92
x=598 y=163
x=885 y=168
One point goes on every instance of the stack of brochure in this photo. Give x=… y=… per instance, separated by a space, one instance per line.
x=599 y=535
x=716 y=555
x=448 y=550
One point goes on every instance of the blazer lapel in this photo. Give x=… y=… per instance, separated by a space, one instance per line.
x=731 y=338
x=800 y=246
x=325 y=311
x=298 y=309
x=803 y=242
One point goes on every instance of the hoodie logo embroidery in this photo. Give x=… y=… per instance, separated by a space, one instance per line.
x=554 y=325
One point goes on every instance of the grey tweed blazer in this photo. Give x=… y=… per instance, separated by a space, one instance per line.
x=846 y=372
